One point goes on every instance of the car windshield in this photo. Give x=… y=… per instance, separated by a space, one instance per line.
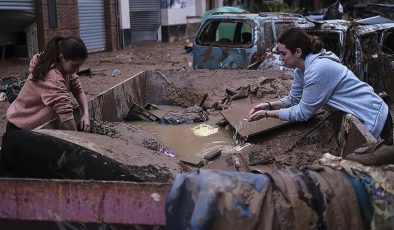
x=388 y=43
x=227 y=33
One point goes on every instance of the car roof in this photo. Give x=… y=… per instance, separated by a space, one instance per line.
x=367 y=29
x=338 y=24
x=269 y=16
x=232 y=15
x=281 y=15
x=343 y=25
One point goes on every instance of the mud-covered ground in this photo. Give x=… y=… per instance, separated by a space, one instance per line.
x=295 y=146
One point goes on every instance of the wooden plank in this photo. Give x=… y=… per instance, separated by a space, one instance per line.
x=245 y=129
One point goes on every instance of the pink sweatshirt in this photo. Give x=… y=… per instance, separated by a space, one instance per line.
x=40 y=102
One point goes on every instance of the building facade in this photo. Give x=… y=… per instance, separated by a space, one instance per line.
x=104 y=25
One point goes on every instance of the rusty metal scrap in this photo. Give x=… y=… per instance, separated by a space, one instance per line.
x=83 y=201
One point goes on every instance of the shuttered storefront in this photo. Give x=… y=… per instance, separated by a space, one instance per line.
x=144 y=20
x=24 y=5
x=92 y=24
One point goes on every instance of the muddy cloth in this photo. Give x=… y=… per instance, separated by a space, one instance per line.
x=381 y=195
x=192 y=114
x=214 y=199
x=319 y=198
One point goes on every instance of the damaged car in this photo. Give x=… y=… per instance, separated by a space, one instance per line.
x=238 y=41
x=367 y=50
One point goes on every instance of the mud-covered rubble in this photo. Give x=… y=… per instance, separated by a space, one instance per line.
x=215 y=89
x=295 y=146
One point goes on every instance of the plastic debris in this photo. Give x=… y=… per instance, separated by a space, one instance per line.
x=3 y=96
x=116 y=72
x=168 y=152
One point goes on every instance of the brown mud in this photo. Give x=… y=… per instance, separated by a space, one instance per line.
x=295 y=146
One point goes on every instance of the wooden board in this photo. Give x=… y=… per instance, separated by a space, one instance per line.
x=236 y=116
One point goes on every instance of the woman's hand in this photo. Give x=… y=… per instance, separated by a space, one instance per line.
x=85 y=123
x=258 y=107
x=257 y=115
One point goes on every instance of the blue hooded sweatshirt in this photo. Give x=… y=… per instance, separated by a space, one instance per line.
x=325 y=81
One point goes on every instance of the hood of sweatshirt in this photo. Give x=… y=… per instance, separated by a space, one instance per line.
x=322 y=54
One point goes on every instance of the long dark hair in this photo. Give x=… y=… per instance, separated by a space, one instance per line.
x=294 y=38
x=72 y=49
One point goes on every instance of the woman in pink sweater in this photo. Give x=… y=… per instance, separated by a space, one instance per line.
x=46 y=92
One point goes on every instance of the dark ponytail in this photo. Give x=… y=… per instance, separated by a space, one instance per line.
x=72 y=49
x=295 y=37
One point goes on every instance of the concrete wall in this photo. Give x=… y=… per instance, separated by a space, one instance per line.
x=68 y=21
x=181 y=23
x=177 y=16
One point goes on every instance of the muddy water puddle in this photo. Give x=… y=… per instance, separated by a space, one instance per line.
x=190 y=142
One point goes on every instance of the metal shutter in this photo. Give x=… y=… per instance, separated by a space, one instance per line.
x=144 y=19
x=92 y=24
x=25 y=5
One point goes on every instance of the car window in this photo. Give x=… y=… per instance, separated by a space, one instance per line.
x=226 y=32
x=281 y=26
x=370 y=44
x=372 y=60
x=388 y=43
x=331 y=41
x=272 y=30
x=246 y=33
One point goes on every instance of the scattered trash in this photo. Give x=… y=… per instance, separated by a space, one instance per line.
x=11 y=90
x=115 y=72
x=137 y=113
x=191 y=114
x=168 y=152
x=204 y=130
x=98 y=72
x=84 y=72
x=3 y=97
x=258 y=158
x=150 y=106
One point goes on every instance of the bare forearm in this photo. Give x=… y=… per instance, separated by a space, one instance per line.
x=85 y=121
x=69 y=125
x=83 y=102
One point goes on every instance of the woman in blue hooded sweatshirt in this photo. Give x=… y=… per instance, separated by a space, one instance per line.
x=320 y=79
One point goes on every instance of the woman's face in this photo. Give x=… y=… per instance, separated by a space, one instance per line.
x=71 y=66
x=288 y=59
